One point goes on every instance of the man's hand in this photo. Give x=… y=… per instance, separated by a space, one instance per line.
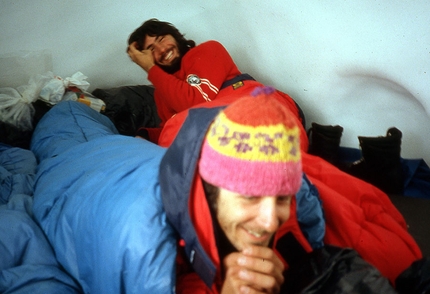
x=256 y=269
x=142 y=58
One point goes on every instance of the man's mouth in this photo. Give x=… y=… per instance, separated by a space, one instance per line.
x=255 y=233
x=168 y=56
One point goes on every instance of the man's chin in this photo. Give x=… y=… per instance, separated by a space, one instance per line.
x=248 y=243
x=171 y=69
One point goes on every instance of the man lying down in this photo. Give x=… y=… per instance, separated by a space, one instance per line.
x=224 y=196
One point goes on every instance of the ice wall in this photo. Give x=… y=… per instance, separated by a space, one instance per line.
x=362 y=64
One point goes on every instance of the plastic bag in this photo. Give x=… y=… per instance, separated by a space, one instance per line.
x=77 y=80
x=416 y=278
x=53 y=92
x=71 y=88
x=329 y=269
x=16 y=104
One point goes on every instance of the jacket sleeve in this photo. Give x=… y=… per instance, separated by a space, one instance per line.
x=210 y=62
x=191 y=284
x=150 y=134
x=187 y=281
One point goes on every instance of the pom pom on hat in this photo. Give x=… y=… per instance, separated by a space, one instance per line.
x=252 y=147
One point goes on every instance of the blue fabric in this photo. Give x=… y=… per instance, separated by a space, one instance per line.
x=96 y=222
x=310 y=215
x=97 y=199
x=417 y=178
x=17 y=170
x=66 y=127
x=416 y=173
x=27 y=262
x=177 y=173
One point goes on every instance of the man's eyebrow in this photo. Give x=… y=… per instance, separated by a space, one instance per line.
x=148 y=47
x=151 y=45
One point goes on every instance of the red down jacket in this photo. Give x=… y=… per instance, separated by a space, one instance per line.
x=357 y=214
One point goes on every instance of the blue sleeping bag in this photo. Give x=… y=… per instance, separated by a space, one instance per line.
x=17 y=170
x=27 y=261
x=97 y=199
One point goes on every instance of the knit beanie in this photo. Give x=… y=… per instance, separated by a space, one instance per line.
x=252 y=147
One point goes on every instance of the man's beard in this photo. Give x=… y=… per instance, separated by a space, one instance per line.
x=176 y=64
x=174 y=67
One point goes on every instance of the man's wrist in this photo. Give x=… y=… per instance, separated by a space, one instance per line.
x=147 y=68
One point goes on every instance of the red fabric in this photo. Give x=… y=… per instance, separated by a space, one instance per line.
x=209 y=61
x=202 y=220
x=291 y=225
x=199 y=210
x=153 y=134
x=186 y=278
x=225 y=97
x=360 y=216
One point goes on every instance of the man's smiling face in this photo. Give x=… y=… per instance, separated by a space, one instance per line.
x=249 y=220
x=164 y=49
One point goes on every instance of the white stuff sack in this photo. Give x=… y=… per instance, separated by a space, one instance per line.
x=15 y=104
x=53 y=92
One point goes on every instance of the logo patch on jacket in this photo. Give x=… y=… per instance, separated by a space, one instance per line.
x=193 y=80
x=204 y=86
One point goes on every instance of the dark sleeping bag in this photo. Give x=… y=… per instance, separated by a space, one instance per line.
x=130 y=107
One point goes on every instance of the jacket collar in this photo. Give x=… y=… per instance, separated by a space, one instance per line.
x=182 y=193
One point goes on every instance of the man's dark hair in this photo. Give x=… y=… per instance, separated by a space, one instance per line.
x=211 y=193
x=153 y=28
x=223 y=244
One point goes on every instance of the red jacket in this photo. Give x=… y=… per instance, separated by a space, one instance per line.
x=213 y=66
x=188 y=211
x=209 y=62
x=357 y=215
x=225 y=97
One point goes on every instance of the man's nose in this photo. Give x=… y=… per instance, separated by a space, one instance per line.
x=159 y=48
x=268 y=217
